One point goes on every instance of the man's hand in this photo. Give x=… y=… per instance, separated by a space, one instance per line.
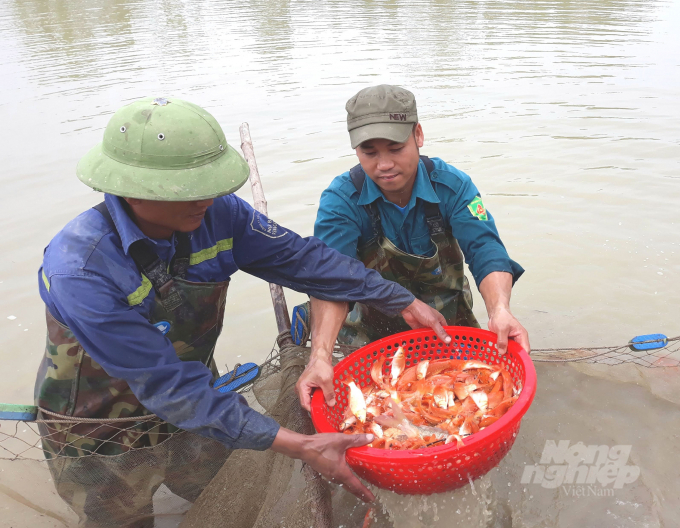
x=325 y=453
x=504 y=324
x=326 y=320
x=420 y=315
x=496 y=288
x=317 y=374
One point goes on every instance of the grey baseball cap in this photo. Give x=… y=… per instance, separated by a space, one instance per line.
x=383 y=111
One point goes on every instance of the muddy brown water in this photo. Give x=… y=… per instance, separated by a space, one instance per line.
x=564 y=113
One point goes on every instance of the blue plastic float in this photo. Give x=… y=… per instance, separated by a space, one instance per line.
x=648 y=342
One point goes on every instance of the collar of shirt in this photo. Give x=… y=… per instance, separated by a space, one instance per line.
x=402 y=210
x=130 y=233
x=422 y=189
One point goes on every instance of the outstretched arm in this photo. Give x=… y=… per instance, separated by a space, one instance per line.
x=127 y=346
x=276 y=254
x=325 y=453
x=327 y=319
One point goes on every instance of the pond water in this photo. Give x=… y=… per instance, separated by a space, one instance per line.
x=564 y=113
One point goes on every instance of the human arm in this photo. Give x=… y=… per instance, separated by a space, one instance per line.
x=496 y=288
x=275 y=254
x=476 y=233
x=326 y=320
x=492 y=268
x=125 y=345
x=339 y=221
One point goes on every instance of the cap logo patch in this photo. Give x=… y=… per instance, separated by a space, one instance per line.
x=397 y=117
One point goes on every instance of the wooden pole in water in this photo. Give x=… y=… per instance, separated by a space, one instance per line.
x=317 y=490
x=278 y=297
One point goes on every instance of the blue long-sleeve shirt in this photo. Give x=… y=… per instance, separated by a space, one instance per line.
x=343 y=223
x=90 y=283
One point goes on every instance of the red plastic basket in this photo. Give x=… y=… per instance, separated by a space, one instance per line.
x=440 y=468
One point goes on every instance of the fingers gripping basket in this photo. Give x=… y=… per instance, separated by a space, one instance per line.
x=440 y=468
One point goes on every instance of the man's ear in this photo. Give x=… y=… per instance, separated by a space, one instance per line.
x=419 y=135
x=133 y=201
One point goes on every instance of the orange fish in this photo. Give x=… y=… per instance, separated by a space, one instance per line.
x=357 y=404
x=398 y=365
x=421 y=369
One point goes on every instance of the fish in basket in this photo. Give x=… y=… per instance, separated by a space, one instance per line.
x=442 y=415
x=428 y=403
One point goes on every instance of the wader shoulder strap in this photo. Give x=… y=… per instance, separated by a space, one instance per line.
x=155 y=269
x=434 y=219
x=429 y=164
x=358 y=177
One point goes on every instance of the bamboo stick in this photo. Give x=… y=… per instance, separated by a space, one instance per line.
x=316 y=488
x=278 y=297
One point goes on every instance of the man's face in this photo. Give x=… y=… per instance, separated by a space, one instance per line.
x=166 y=217
x=392 y=166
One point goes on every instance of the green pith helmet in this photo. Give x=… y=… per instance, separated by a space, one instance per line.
x=166 y=150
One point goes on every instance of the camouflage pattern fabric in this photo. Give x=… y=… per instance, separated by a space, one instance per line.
x=71 y=383
x=117 y=491
x=438 y=281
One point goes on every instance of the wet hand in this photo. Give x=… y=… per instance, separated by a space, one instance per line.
x=504 y=324
x=325 y=453
x=420 y=315
x=317 y=374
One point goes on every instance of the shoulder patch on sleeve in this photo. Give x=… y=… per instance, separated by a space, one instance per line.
x=266 y=226
x=477 y=209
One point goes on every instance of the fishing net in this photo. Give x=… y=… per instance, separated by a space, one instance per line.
x=110 y=490
x=164 y=471
x=668 y=355
x=263 y=489
x=238 y=489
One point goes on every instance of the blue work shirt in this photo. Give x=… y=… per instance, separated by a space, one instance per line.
x=343 y=223
x=90 y=283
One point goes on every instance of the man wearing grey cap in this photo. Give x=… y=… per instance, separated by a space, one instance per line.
x=416 y=220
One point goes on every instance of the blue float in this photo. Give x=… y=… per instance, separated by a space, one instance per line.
x=648 y=342
x=22 y=413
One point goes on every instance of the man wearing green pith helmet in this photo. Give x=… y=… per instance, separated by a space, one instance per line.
x=135 y=293
x=416 y=220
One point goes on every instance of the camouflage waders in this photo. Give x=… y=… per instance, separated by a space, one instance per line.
x=117 y=490
x=438 y=280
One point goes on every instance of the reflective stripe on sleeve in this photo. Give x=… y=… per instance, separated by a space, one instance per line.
x=47 y=282
x=138 y=296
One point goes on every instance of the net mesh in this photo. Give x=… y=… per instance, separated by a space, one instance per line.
x=667 y=356
x=266 y=488
x=218 y=487
x=240 y=489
